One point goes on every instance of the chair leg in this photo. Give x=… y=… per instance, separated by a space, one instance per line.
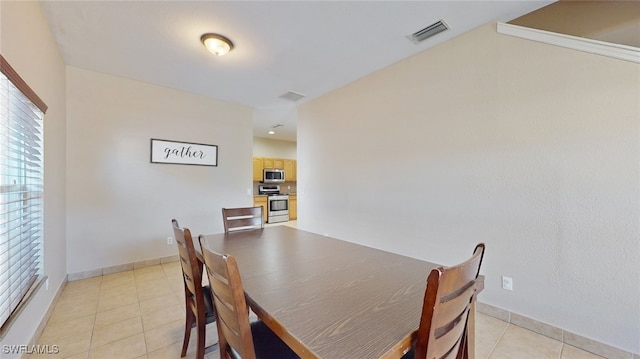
x=200 y=327
x=187 y=332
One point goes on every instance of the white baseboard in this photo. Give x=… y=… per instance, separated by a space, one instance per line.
x=45 y=319
x=120 y=268
x=559 y=334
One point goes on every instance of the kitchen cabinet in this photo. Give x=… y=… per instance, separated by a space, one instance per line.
x=278 y=163
x=258 y=166
x=261 y=201
x=288 y=165
x=290 y=170
x=293 y=207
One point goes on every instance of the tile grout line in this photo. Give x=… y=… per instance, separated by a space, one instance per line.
x=91 y=348
x=561 y=351
x=95 y=317
x=493 y=348
x=101 y=290
x=144 y=337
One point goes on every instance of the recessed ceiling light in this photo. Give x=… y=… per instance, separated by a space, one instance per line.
x=272 y=132
x=216 y=44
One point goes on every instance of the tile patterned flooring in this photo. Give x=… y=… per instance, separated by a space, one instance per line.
x=139 y=314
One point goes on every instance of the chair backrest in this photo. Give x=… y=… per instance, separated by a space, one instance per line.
x=191 y=270
x=234 y=330
x=242 y=218
x=447 y=301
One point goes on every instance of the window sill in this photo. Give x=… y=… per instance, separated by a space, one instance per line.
x=31 y=293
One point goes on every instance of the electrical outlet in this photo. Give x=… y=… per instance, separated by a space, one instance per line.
x=169 y=240
x=46 y=284
x=507 y=283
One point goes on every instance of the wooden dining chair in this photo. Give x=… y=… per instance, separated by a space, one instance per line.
x=243 y=218
x=238 y=337
x=198 y=305
x=448 y=299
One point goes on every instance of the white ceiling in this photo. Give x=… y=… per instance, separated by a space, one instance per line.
x=310 y=47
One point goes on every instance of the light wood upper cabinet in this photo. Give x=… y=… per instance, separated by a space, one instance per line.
x=290 y=170
x=258 y=166
x=289 y=166
x=278 y=163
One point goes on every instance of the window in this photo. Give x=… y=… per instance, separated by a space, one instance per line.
x=21 y=192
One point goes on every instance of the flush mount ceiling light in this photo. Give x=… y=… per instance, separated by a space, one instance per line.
x=216 y=44
x=272 y=132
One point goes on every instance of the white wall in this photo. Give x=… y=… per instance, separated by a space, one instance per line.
x=265 y=147
x=30 y=49
x=530 y=148
x=119 y=205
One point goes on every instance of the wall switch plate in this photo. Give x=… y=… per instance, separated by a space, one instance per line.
x=507 y=283
x=169 y=240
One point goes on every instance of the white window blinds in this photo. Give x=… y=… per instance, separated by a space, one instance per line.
x=21 y=190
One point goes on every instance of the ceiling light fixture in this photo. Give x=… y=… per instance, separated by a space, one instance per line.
x=216 y=44
x=272 y=132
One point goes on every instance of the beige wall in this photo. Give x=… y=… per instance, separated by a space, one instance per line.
x=530 y=148
x=119 y=205
x=265 y=147
x=30 y=49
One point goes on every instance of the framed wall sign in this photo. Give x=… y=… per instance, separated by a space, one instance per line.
x=183 y=153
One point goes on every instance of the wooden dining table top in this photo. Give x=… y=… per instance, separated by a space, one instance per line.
x=328 y=298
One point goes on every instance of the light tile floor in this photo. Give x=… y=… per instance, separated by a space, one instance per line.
x=140 y=314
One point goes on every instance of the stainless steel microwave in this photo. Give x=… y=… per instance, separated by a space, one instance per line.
x=273 y=175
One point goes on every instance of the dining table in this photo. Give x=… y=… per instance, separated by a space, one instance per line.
x=330 y=298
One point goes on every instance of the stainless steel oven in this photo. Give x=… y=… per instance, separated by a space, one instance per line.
x=277 y=204
x=277 y=208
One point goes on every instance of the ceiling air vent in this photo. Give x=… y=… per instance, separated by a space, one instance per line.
x=427 y=32
x=291 y=96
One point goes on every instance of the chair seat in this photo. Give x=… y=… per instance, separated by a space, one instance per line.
x=209 y=310
x=410 y=354
x=268 y=345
